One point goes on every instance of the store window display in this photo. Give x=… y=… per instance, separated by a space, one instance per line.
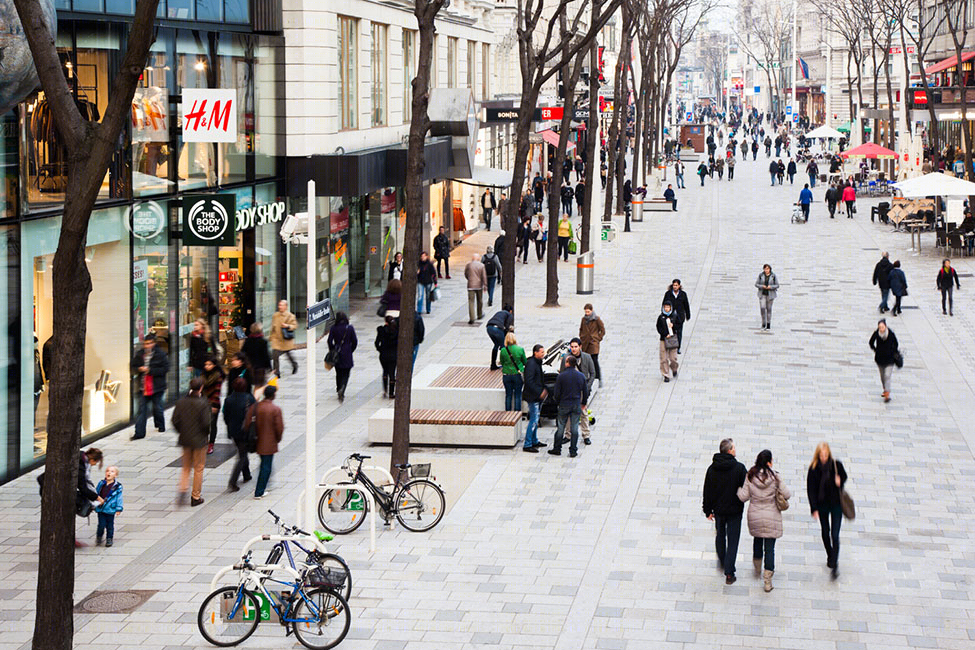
x=153 y=306
x=197 y=165
x=236 y=71
x=9 y=165
x=152 y=154
x=106 y=399
x=89 y=69
x=268 y=258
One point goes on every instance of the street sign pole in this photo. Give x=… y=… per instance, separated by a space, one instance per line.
x=312 y=295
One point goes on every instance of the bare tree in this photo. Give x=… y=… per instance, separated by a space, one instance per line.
x=426 y=16
x=956 y=17
x=615 y=147
x=844 y=19
x=541 y=55
x=89 y=148
x=925 y=23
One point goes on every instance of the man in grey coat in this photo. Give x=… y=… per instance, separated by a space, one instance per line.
x=584 y=365
x=477 y=281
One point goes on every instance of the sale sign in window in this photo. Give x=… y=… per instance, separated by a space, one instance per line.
x=209 y=115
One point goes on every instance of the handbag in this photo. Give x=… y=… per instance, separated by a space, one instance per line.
x=82 y=506
x=781 y=503
x=846 y=501
x=898 y=359
x=435 y=294
x=252 y=432
x=381 y=312
x=287 y=334
x=671 y=342
x=332 y=355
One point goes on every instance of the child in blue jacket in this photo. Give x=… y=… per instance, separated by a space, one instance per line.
x=109 y=504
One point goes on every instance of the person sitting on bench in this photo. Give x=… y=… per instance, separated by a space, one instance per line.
x=669 y=195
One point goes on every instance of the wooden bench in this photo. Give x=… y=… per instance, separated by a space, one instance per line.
x=451 y=427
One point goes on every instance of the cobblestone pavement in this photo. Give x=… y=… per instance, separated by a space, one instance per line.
x=611 y=550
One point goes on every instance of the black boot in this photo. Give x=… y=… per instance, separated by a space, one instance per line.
x=392 y=388
x=385 y=385
x=494 y=359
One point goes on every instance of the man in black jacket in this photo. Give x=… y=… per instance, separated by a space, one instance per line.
x=881 y=277
x=488 y=205
x=567 y=195
x=534 y=393
x=571 y=393
x=150 y=366
x=722 y=505
x=441 y=251
x=497 y=328
x=677 y=297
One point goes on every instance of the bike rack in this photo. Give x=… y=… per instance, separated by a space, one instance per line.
x=270 y=538
x=321 y=487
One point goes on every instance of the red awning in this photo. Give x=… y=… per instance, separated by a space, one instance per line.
x=950 y=62
x=552 y=138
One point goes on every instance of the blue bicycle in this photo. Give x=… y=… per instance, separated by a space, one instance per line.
x=310 y=605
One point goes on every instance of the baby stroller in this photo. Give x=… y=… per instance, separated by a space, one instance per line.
x=797 y=215
x=552 y=358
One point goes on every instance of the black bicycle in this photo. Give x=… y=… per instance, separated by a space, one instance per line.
x=417 y=503
x=313 y=557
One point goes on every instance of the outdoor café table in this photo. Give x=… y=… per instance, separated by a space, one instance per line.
x=915 y=226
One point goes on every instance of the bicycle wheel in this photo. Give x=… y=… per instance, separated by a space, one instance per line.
x=420 y=505
x=220 y=624
x=336 y=562
x=323 y=619
x=342 y=510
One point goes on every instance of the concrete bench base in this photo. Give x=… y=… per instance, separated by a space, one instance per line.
x=380 y=431
x=658 y=206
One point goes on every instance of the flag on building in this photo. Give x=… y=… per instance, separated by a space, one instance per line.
x=803 y=68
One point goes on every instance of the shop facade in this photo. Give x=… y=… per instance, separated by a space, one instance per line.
x=143 y=278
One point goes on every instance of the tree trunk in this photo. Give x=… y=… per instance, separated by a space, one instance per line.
x=592 y=139
x=89 y=149
x=529 y=97
x=426 y=13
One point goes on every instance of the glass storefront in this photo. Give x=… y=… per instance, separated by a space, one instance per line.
x=134 y=251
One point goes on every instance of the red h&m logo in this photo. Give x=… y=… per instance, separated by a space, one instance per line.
x=209 y=115
x=920 y=97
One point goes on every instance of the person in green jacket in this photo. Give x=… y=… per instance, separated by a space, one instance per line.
x=513 y=362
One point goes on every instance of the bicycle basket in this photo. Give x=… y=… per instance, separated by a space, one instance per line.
x=328 y=577
x=421 y=470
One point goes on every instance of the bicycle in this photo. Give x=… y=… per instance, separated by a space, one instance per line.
x=313 y=609
x=410 y=501
x=313 y=557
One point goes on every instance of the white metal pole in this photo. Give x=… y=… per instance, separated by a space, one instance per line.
x=795 y=58
x=310 y=417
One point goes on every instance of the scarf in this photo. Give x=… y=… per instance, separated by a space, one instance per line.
x=883 y=335
x=667 y=314
x=590 y=317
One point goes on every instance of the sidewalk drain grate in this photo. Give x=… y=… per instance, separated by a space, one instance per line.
x=113 y=602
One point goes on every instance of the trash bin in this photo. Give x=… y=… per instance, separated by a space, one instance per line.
x=584 y=273
x=637 y=210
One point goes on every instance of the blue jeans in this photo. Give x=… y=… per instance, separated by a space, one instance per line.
x=416 y=348
x=156 y=402
x=531 y=433
x=264 y=475
x=772 y=174
x=570 y=414
x=421 y=291
x=812 y=183
x=884 y=295
x=492 y=281
x=106 y=525
x=764 y=546
x=497 y=337
x=512 y=391
x=726 y=540
x=680 y=181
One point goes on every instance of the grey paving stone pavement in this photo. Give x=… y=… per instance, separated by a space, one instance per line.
x=610 y=550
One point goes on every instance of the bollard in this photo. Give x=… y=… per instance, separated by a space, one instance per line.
x=585 y=273
x=637 y=210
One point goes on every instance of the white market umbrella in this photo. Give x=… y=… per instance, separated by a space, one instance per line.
x=825 y=132
x=936 y=184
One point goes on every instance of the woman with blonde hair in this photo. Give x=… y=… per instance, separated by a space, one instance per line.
x=824 y=481
x=513 y=362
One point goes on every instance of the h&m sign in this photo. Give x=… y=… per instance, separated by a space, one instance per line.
x=209 y=115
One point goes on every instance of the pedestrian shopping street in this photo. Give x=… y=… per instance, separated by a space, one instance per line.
x=611 y=550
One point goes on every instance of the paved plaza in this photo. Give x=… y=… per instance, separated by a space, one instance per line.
x=610 y=550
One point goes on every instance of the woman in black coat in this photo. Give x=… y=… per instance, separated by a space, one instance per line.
x=342 y=339
x=234 y=411
x=885 y=353
x=824 y=481
x=255 y=347
x=387 y=336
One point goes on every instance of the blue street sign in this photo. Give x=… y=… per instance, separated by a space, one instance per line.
x=319 y=313
x=788 y=110
x=758 y=90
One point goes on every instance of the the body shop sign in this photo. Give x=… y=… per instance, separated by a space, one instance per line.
x=259 y=215
x=207 y=220
x=209 y=115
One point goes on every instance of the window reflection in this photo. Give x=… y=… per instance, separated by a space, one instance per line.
x=197 y=160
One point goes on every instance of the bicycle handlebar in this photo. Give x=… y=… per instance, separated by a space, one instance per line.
x=276 y=518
